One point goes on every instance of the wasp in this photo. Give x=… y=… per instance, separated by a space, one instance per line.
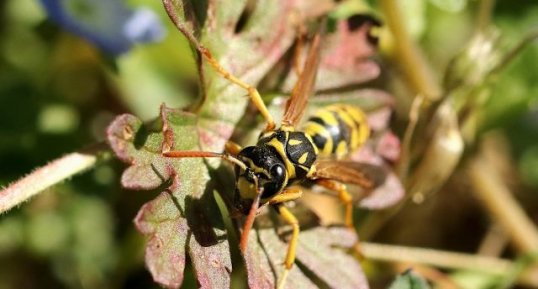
x=284 y=156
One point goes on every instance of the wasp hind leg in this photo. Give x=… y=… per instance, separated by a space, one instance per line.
x=344 y=197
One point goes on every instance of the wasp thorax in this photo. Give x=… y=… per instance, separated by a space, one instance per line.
x=263 y=164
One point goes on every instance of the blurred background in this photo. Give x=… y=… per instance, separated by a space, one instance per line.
x=68 y=67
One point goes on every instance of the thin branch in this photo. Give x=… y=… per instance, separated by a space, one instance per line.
x=410 y=57
x=405 y=156
x=485 y=9
x=446 y=260
x=494 y=242
x=497 y=199
x=515 y=51
x=49 y=175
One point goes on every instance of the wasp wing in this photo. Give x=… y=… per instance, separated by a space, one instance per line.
x=296 y=104
x=366 y=175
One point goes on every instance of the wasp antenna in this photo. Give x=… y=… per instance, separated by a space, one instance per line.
x=200 y=154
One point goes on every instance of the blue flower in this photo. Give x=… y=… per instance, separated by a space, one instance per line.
x=109 y=24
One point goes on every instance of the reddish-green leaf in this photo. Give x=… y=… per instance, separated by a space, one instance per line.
x=168 y=232
x=168 y=220
x=322 y=250
x=275 y=250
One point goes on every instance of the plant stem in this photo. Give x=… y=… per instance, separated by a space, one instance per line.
x=409 y=56
x=502 y=206
x=49 y=175
x=483 y=17
x=515 y=51
x=444 y=259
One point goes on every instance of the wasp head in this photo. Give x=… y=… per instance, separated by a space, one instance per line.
x=264 y=173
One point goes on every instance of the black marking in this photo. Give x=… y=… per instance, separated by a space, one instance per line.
x=345 y=130
x=319 y=141
x=295 y=152
x=279 y=135
x=318 y=120
x=357 y=123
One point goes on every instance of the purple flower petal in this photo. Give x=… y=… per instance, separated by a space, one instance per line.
x=109 y=24
x=144 y=26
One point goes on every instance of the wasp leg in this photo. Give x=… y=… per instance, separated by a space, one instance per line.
x=290 y=255
x=252 y=91
x=290 y=194
x=232 y=148
x=343 y=195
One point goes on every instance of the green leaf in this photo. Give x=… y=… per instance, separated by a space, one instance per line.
x=174 y=222
x=409 y=280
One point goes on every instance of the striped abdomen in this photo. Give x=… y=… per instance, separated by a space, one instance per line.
x=338 y=129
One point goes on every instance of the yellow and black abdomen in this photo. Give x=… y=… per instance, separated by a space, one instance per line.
x=338 y=129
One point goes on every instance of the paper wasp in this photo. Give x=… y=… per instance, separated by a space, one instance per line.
x=284 y=156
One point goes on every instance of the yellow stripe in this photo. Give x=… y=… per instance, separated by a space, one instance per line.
x=267 y=134
x=348 y=120
x=282 y=151
x=312 y=143
x=257 y=169
x=303 y=158
x=358 y=115
x=341 y=150
x=327 y=117
x=313 y=128
x=294 y=142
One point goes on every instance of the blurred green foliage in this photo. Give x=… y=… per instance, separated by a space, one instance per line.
x=58 y=93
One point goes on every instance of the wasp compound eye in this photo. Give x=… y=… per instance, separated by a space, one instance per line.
x=277 y=171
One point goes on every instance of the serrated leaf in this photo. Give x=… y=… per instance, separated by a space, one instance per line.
x=321 y=250
x=249 y=55
x=275 y=250
x=263 y=266
x=344 y=59
x=174 y=222
x=185 y=208
x=409 y=280
x=168 y=231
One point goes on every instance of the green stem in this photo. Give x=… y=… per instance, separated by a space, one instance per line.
x=446 y=260
x=49 y=175
x=485 y=9
x=510 y=55
x=408 y=55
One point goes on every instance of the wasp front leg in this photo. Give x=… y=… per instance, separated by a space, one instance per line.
x=232 y=148
x=343 y=195
x=277 y=201
x=253 y=93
